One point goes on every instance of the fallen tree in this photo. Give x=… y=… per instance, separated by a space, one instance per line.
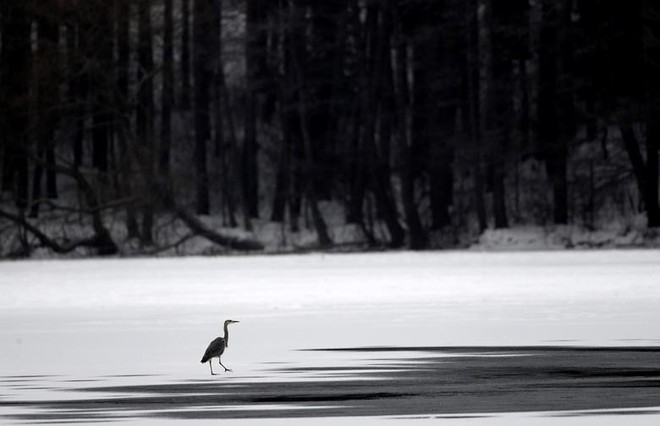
x=200 y=228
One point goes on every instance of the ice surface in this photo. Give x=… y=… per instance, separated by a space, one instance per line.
x=109 y=320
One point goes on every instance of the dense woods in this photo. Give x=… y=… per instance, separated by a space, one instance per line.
x=416 y=122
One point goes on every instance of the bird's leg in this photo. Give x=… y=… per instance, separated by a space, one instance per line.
x=211 y=365
x=220 y=362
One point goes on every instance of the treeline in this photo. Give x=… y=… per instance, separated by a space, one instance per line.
x=416 y=116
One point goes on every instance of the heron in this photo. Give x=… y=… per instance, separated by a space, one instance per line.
x=217 y=348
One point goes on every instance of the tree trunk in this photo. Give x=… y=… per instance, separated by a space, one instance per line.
x=321 y=67
x=101 y=55
x=642 y=169
x=416 y=235
x=167 y=90
x=651 y=36
x=123 y=130
x=281 y=184
x=53 y=37
x=223 y=149
x=51 y=176
x=229 y=155
x=186 y=84
x=354 y=155
x=503 y=20
x=651 y=187
x=296 y=46
x=551 y=118
x=145 y=115
x=218 y=69
x=77 y=90
x=446 y=74
x=254 y=57
x=356 y=173
x=474 y=121
x=202 y=68
x=377 y=75
x=47 y=102
x=15 y=71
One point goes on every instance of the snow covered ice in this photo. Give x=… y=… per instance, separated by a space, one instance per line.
x=138 y=322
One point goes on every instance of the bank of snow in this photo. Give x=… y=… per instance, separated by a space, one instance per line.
x=565 y=237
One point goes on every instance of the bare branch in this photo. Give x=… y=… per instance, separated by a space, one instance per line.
x=200 y=228
x=61 y=248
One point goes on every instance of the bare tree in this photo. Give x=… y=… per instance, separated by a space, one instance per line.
x=167 y=89
x=145 y=113
x=203 y=72
x=15 y=72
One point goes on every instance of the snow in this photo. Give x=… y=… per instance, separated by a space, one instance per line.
x=82 y=320
x=174 y=238
x=560 y=237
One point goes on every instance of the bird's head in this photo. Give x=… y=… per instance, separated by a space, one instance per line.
x=230 y=322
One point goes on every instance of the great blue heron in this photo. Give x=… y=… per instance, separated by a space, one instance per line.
x=217 y=348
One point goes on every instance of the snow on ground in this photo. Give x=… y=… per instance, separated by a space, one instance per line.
x=563 y=237
x=174 y=238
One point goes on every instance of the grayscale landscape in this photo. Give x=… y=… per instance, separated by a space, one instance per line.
x=401 y=211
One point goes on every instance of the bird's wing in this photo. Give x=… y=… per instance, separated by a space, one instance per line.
x=216 y=348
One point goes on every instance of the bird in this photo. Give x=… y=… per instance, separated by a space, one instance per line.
x=217 y=348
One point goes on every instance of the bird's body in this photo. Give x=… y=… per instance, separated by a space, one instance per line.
x=217 y=347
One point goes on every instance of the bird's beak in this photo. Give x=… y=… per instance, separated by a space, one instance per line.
x=235 y=321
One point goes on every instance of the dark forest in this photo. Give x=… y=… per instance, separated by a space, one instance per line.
x=133 y=126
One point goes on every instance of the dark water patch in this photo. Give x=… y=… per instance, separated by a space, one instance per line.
x=606 y=372
x=549 y=379
x=328 y=397
x=350 y=370
x=613 y=384
x=285 y=413
x=486 y=349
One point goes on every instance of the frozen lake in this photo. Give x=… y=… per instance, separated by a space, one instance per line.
x=472 y=338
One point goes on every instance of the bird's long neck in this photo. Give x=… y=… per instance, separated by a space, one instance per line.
x=226 y=336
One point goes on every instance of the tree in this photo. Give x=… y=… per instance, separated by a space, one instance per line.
x=297 y=50
x=254 y=63
x=377 y=100
x=203 y=76
x=186 y=84
x=15 y=71
x=644 y=90
x=167 y=89
x=651 y=48
x=123 y=104
x=474 y=122
x=47 y=70
x=145 y=114
x=100 y=52
x=555 y=103
x=623 y=41
x=409 y=145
